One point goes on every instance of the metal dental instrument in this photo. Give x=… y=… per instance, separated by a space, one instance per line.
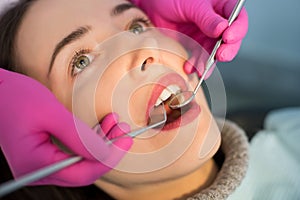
x=182 y=99
x=159 y=122
x=13 y=185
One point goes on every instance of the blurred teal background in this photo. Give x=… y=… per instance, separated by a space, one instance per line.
x=266 y=72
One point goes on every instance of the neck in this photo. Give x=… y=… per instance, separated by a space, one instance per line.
x=176 y=188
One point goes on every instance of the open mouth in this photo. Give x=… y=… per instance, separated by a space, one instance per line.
x=167 y=87
x=165 y=97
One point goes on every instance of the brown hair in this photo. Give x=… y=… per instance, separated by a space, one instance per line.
x=9 y=25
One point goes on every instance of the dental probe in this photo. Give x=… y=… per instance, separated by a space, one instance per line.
x=137 y=132
x=174 y=103
x=14 y=185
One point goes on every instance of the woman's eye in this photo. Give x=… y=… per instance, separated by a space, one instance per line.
x=80 y=63
x=139 y=26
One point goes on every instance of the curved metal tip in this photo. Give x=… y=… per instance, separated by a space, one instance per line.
x=179 y=104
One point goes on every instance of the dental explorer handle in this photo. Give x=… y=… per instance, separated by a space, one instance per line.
x=13 y=185
x=211 y=60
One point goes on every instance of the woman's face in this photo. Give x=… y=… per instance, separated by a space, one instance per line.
x=98 y=56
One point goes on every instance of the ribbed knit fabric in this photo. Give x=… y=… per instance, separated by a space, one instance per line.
x=235 y=147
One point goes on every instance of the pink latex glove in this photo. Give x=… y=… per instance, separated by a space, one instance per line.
x=30 y=114
x=202 y=20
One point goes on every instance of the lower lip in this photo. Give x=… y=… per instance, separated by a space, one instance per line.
x=185 y=118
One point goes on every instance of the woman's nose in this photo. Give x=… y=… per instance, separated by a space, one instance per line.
x=147 y=53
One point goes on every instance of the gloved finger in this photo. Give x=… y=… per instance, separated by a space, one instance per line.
x=108 y=122
x=196 y=62
x=103 y=128
x=121 y=146
x=118 y=149
x=209 y=22
x=224 y=7
x=118 y=130
x=190 y=68
x=238 y=29
x=200 y=72
x=227 y=52
x=75 y=135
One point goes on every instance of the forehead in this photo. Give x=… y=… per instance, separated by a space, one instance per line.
x=48 y=21
x=55 y=14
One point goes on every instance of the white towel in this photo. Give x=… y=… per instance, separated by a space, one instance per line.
x=274 y=168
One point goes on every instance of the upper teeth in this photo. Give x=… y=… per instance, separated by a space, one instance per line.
x=167 y=92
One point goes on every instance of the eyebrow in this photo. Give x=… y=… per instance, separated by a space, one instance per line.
x=121 y=8
x=81 y=31
x=75 y=35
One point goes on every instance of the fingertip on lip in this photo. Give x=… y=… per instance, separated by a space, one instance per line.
x=188 y=67
x=124 y=127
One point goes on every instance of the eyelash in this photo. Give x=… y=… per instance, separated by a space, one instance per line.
x=82 y=52
x=140 y=19
x=75 y=58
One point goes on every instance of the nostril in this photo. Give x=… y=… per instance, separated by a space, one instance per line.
x=146 y=62
x=143 y=65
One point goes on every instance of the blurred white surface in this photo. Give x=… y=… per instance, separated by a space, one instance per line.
x=273 y=172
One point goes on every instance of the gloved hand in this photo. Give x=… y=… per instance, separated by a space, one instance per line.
x=202 y=20
x=30 y=115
